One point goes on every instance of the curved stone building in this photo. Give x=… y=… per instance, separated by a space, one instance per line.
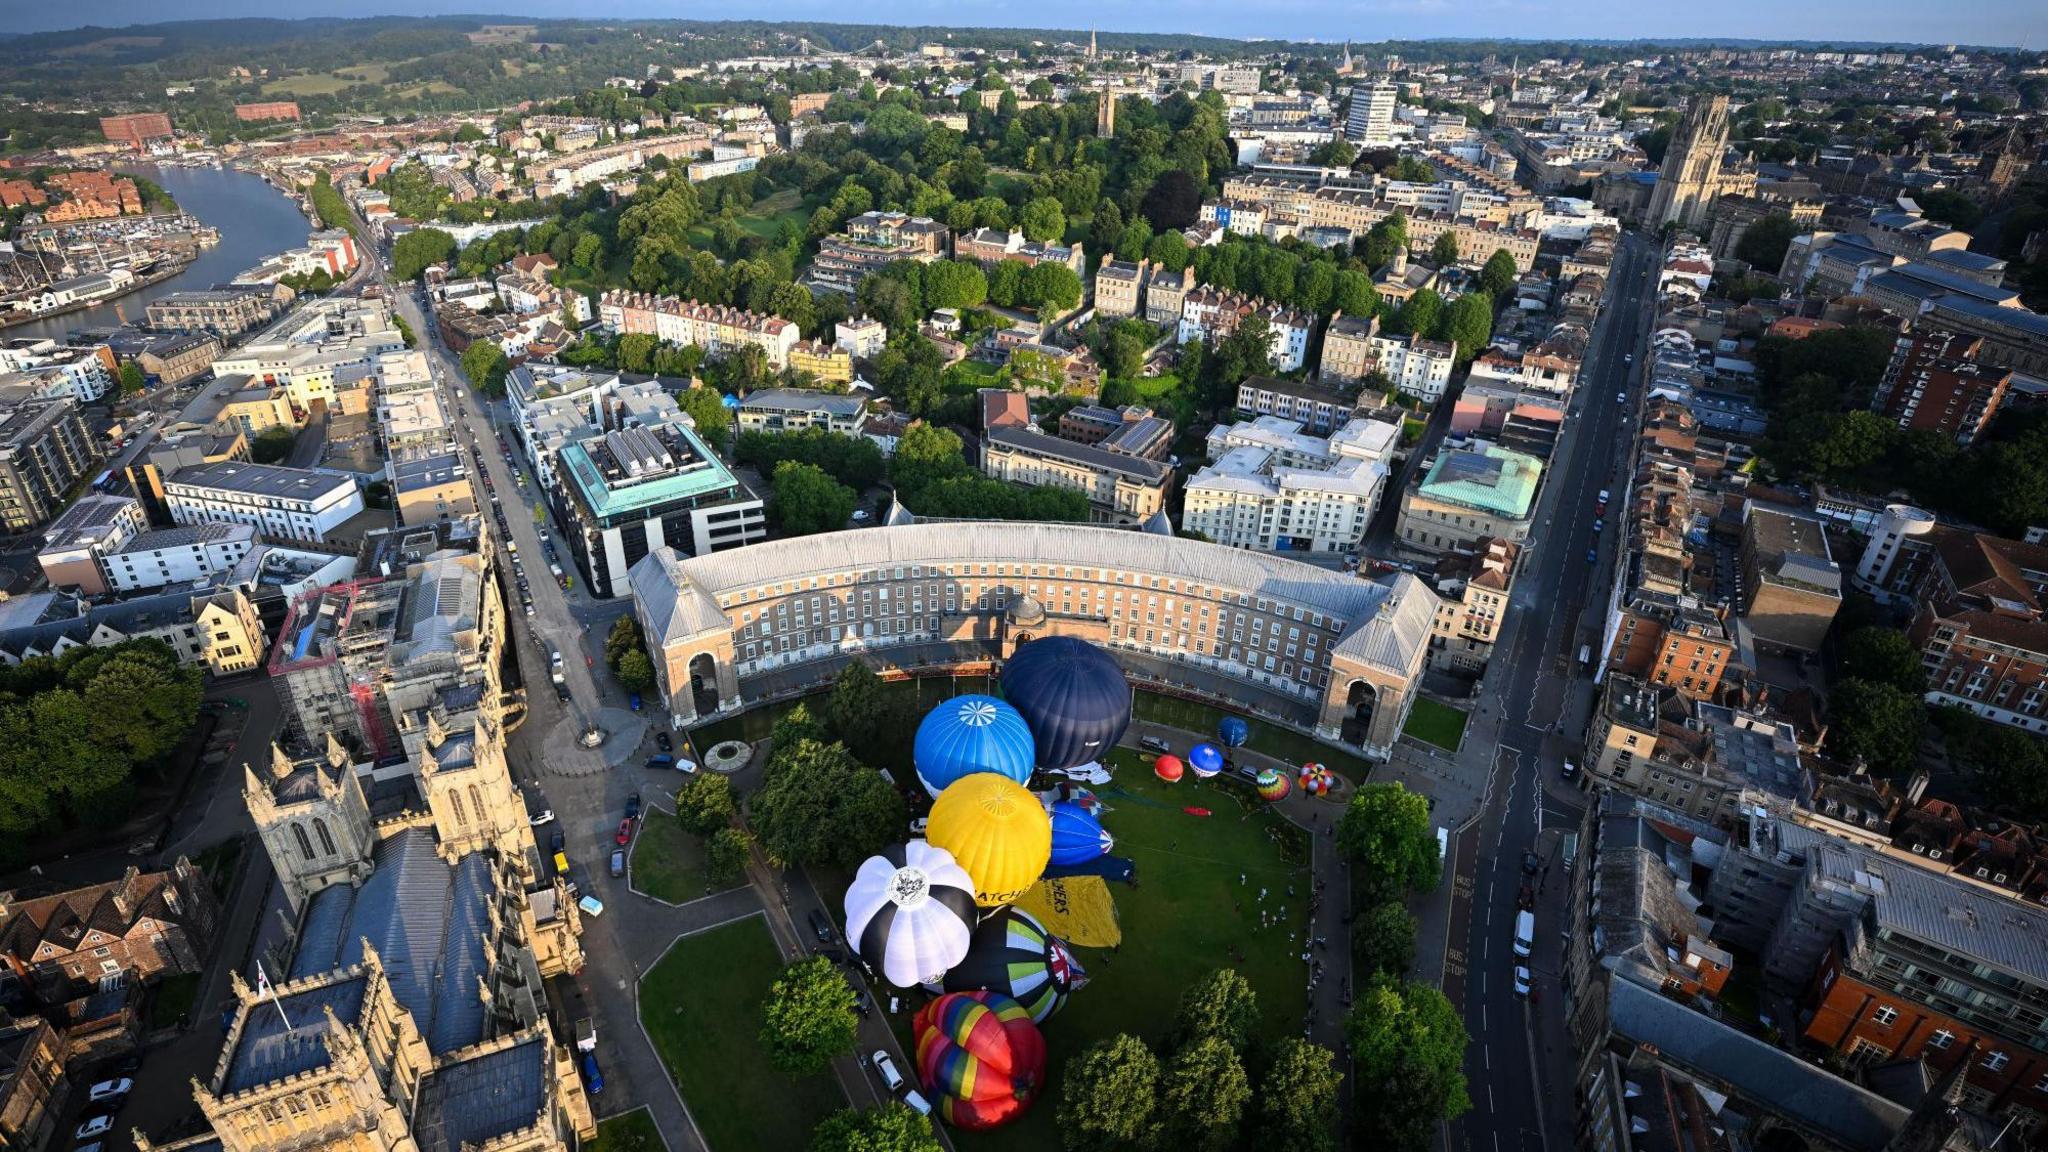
x=1317 y=649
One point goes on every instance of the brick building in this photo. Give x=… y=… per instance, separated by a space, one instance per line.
x=267 y=110
x=1936 y=383
x=140 y=928
x=135 y=130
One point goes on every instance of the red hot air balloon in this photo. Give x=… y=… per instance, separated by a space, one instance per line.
x=1167 y=768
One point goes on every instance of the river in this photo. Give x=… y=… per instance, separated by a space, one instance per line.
x=255 y=220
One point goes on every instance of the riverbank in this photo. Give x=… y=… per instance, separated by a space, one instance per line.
x=153 y=277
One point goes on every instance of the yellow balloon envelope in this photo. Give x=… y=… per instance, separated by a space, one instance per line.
x=997 y=830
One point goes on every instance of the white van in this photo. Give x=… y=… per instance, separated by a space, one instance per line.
x=1525 y=933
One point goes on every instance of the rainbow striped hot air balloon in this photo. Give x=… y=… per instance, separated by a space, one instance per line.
x=1012 y=953
x=996 y=830
x=980 y=1056
x=1274 y=786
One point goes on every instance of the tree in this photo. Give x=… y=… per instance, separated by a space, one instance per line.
x=1203 y=1095
x=808 y=1018
x=1877 y=723
x=1444 y=252
x=1421 y=313
x=819 y=805
x=484 y=363
x=805 y=501
x=419 y=250
x=1335 y=153
x=624 y=637
x=1106 y=228
x=1764 y=242
x=1221 y=1005
x=1408 y=1057
x=1107 y=1096
x=636 y=672
x=706 y=409
x=636 y=352
x=1385 y=832
x=272 y=445
x=725 y=854
x=1173 y=201
x=1498 y=276
x=1043 y=220
x=1468 y=322
x=859 y=710
x=1884 y=656
x=1297 y=1097
x=1382 y=939
x=955 y=284
x=705 y=803
x=926 y=455
x=893 y=1127
x=132 y=378
x=1385 y=238
x=1051 y=285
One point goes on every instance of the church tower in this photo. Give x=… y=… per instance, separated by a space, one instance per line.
x=314 y=820
x=1690 y=180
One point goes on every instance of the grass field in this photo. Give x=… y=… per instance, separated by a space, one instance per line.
x=1267 y=738
x=1434 y=723
x=763 y=220
x=628 y=1132
x=1185 y=918
x=1153 y=387
x=702 y=1007
x=668 y=862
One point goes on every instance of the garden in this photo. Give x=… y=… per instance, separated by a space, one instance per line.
x=670 y=862
x=1435 y=723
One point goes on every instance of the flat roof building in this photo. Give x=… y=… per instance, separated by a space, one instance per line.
x=283 y=503
x=1469 y=494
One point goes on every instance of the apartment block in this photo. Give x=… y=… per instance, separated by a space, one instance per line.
x=1318 y=408
x=1793 y=587
x=1272 y=487
x=82 y=535
x=1349 y=352
x=1415 y=366
x=1120 y=287
x=282 y=503
x=715 y=328
x=1936 y=383
x=1473 y=590
x=45 y=450
x=795 y=409
x=177 y=555
x=1121 y=489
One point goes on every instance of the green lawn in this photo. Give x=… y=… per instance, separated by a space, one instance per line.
x=1434 y=723
x=702 y=1006
x=1183 y=920
x=628 y=1132
x=668 y=862
x=1267 y=738
x=974 y=373
x=1153 y=387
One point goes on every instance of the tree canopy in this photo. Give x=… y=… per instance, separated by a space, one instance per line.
x=892 y=1127
x=819 y=805
x=1385 y=831
x=1108 y=1095
x=809 y=1017
x=804 y=501
x=1408 y=1059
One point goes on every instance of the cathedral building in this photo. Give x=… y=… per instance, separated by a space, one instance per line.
x=1692 y=179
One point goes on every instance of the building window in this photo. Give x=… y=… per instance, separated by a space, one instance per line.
x=1941 y=1039
x=1885 y=1015
x=1996 y=1061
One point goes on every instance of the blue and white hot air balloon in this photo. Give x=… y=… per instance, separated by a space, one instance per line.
x=970 y=734
x=1206 y=759
x=1077 y=836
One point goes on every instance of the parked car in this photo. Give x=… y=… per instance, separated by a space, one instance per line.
x=591 y=906
x=661 y=760
x=886 y=1069
x=916 y=1100
x=110 y=1089
x=625 y=832
x=97 y=1126
x=618 y=861
x=633 y=701
x=1155 y=745
x=821 y=925
x=632 y=806
x=1521 y=980
x=1592 y=555
x=593 y=1077
x=546 y=815
x=556 y=840
x=1531 y=863
x=664 y=741
x=918 y=825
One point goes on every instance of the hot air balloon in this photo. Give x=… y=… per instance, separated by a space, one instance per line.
x=1206 y=760
x=996 y=830
x=1316 y=780
x=1013 y=954
x=1072 y=695
x=1167 y=768
x=970 y=734
x=980 y=1056
x=1234 y=731
x=910 y=913
x=1273 y=786
x=1077 y=836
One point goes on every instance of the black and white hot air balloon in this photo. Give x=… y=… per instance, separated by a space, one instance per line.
x=910 y=913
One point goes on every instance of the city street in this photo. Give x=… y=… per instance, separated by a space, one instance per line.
x=1527 y=718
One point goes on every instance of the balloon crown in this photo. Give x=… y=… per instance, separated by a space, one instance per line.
x=978 y=713
x=909 y=887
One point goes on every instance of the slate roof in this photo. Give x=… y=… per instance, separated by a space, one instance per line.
x=482 y=1098
x=425 y=920
x=268 y=1051
x=64 y=919
x=1755 y=1071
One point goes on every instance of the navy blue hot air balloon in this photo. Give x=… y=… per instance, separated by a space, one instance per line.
x=1077 y=836
x=970 y=734
x=1072 y=695
x=1234 y=731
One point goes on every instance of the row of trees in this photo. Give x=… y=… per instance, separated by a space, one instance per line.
x=625 y=653
x=1214 y=1085
x=854 y=461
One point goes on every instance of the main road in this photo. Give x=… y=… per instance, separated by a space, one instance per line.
x=1528 y=717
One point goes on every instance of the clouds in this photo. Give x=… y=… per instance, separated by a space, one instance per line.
x=2006 y=22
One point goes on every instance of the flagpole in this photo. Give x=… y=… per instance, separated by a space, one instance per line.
x=263 y=986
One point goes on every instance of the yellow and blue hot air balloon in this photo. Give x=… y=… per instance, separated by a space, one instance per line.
x=995 y=829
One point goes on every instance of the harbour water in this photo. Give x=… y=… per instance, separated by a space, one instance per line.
x=255 y=221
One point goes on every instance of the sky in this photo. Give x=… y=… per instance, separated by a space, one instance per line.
x=1995 y=22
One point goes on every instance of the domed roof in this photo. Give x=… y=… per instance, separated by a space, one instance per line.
x=1026 y=609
